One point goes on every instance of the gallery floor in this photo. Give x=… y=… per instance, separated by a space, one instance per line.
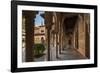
x=66 y=54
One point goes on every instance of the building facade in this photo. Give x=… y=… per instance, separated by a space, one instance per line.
x=39 y=34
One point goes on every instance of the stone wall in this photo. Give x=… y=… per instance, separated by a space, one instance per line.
x=81 y=35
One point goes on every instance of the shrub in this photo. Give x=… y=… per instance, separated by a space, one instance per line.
x=38 y=50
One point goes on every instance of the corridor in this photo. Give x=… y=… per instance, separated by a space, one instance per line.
x=66 y=54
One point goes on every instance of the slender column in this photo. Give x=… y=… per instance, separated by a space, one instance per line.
x=59 y=19
x=63 y=38
x=56 y=30
x=56 y=45
x=63 y=41
x=59 y=38
x=48 y=36
x=53 y=39
x=48 y=20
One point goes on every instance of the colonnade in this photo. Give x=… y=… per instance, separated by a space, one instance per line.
x=57 y=33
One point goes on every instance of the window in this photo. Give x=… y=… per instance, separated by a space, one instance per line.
x=42 y=31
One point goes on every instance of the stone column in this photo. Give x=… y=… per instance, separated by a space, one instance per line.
x=48 y=52
x=63 y=37
x=53 y=39
x=56 y=45
x=48 y=22
x=59 y=36
x=29 y=30
x=56 y=34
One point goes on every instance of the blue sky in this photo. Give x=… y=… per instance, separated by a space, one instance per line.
x=39 y=20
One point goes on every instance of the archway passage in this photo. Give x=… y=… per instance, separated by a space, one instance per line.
x=65 y=36
x=69 y=26
x=68 y=33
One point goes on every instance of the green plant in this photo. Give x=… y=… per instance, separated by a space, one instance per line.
x=38 y=49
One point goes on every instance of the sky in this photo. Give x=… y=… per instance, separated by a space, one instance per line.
x=39 y=20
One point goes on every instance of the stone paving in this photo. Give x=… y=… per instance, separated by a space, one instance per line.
x=67 y=54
